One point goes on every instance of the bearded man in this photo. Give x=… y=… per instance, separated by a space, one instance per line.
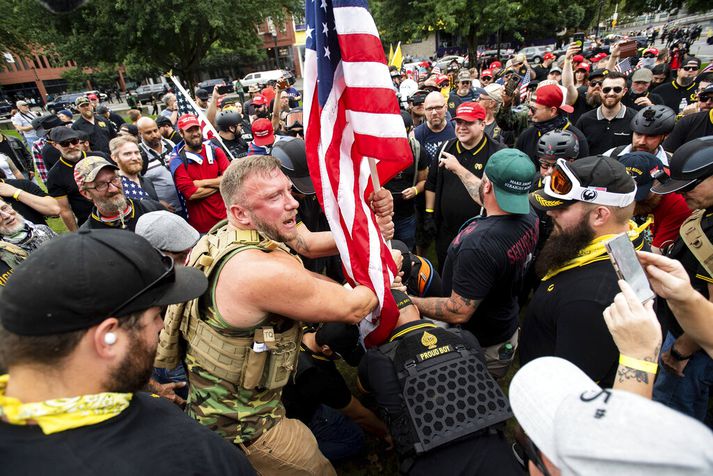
x=99 y=129
x=590 y=200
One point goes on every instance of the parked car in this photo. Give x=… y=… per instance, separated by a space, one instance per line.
x=64 y=101
x=491 y=55
x=209 y=84
x=262 y=77
x=446 y=60
x=534 y=54
x=147 y=91
x=5 y=108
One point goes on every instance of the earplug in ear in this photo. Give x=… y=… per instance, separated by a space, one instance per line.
x=110 y=338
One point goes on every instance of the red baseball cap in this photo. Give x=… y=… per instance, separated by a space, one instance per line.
x=584 y=66
x=259 y=100
x=548 y=56
x=442 y=78
x=496 y=64
x=92 y=97
x=470 y=111
x=263 y=133
x=187 y=121
x=577 y=58
x=486 y=72
x=551 y=95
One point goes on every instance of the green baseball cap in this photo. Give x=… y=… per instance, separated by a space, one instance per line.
x=512 y=173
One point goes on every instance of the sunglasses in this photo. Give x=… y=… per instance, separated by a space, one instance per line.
x=169 y=276
x=616 y=89
x=67 y=143
x=690 y=68
x=465 y=83
x=563 y=184
x=486 y=78
x=546 y=164
x=705 y=98
x=594 y=84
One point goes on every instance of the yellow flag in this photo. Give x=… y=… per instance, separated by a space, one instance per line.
x=391 y=54
x=398 y=58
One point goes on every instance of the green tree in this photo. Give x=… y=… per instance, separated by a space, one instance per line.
x=165 y=34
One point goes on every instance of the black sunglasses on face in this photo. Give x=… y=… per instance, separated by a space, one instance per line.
x=705 y=98
x=594 y=84
x=67 y=143
x=616 y=89
x=690 y=68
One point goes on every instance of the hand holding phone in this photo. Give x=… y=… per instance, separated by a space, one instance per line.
x=627 y=266
x=225 y=89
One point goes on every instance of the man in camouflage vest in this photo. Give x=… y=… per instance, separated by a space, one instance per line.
x=243 y=334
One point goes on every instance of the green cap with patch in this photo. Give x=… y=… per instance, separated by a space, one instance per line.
x=512 y=173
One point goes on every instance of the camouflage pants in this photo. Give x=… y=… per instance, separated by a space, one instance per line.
x=288 y=448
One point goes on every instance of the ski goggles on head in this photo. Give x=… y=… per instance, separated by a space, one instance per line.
x=563 y=184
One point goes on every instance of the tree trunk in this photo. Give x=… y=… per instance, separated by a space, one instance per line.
x=473 y=45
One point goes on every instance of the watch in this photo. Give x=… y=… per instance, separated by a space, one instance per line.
x=677 y=355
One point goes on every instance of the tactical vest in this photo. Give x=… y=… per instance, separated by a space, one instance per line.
x=694 y=236
x=262 y=359
x=447 y=391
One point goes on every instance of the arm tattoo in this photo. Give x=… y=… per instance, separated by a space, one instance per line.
x=625 y=373
x=454 y=309
x=472 y=185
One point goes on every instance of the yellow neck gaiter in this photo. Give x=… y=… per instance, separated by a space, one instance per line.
x=596 y=251
x=60 y=414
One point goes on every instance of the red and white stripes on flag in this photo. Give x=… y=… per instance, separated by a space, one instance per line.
x=524 y=84
x=351 y=114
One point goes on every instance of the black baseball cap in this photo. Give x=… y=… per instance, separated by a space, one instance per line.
x=44 y=124
x=691 y=162
x=163 y=121
x=91 y=275
x=642 y=166
x=601 y=72
x=202 y=94
x=343 y=339
x=603 y=173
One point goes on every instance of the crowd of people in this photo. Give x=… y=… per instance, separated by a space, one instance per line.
x=203 y=271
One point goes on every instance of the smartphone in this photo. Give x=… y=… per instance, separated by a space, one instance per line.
x=627 y=266
x=225 y=89
x=578 y=37
x=627 y=49
x=283 y=84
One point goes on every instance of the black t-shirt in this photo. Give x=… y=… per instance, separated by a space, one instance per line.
x=527 y=142
x=317 y=382
x=603 y=134
x=541 y=72
x=672 y=94
x=454 y=205
x=688 y=128
x=138 y=208
x=580 y=106
x=564 y=319
x=404 y=180
x=50 y=155
x=152 y=436
x=630 y=97
x=470 y=455
x=100 y=133
x=455 y=100
x=487 y=261
x=26 y=211
x=60 y=183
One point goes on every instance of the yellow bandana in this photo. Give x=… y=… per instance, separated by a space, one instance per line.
x=596 y=251
x=62 y=414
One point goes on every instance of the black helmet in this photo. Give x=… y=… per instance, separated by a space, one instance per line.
x=558 y=144
x=689 y=165
x=227 y=119
x=654 y=120
x=290 y=151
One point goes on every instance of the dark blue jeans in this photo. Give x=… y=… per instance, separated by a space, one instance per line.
x=337 y=436
x=688 y=394
x=405 y=230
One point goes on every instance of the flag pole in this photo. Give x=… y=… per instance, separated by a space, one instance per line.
x=376 y=183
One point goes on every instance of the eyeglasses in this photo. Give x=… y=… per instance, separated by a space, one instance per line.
x=690 y=68
x=564 y=185
x=595 y=84
x=434 y=108
x=465 y=83
x=103 y=186
x=67 y=143
x=616 y=89
x=705 y=98
x=546 y=164
x=169 y=276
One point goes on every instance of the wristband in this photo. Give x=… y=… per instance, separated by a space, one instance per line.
x=429 y=210
x=636 y=364
x=415 y=191
x=677 y=355
x=16 y=194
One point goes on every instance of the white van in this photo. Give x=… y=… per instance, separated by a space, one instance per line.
x=262 y=77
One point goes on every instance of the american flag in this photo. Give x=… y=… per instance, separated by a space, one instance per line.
x=186 y=105
x=523 y=85
x=705 y=70
x=625 y=67
x=351 y=111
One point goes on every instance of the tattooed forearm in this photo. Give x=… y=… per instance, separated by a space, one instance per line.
x=471 y=184
x=625 y=373
x=454 y=310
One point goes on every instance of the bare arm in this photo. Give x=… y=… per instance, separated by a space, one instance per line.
x=202 y=192
x=47 y=205
x=66 y=214
x=411 y=192
x=470 y=181
x=454 y=309
x=212 y=109
x=208 y=183
x=568 y=74
x=253 y=284
x=276 y=108
x=613 y=57
x=313 y=244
